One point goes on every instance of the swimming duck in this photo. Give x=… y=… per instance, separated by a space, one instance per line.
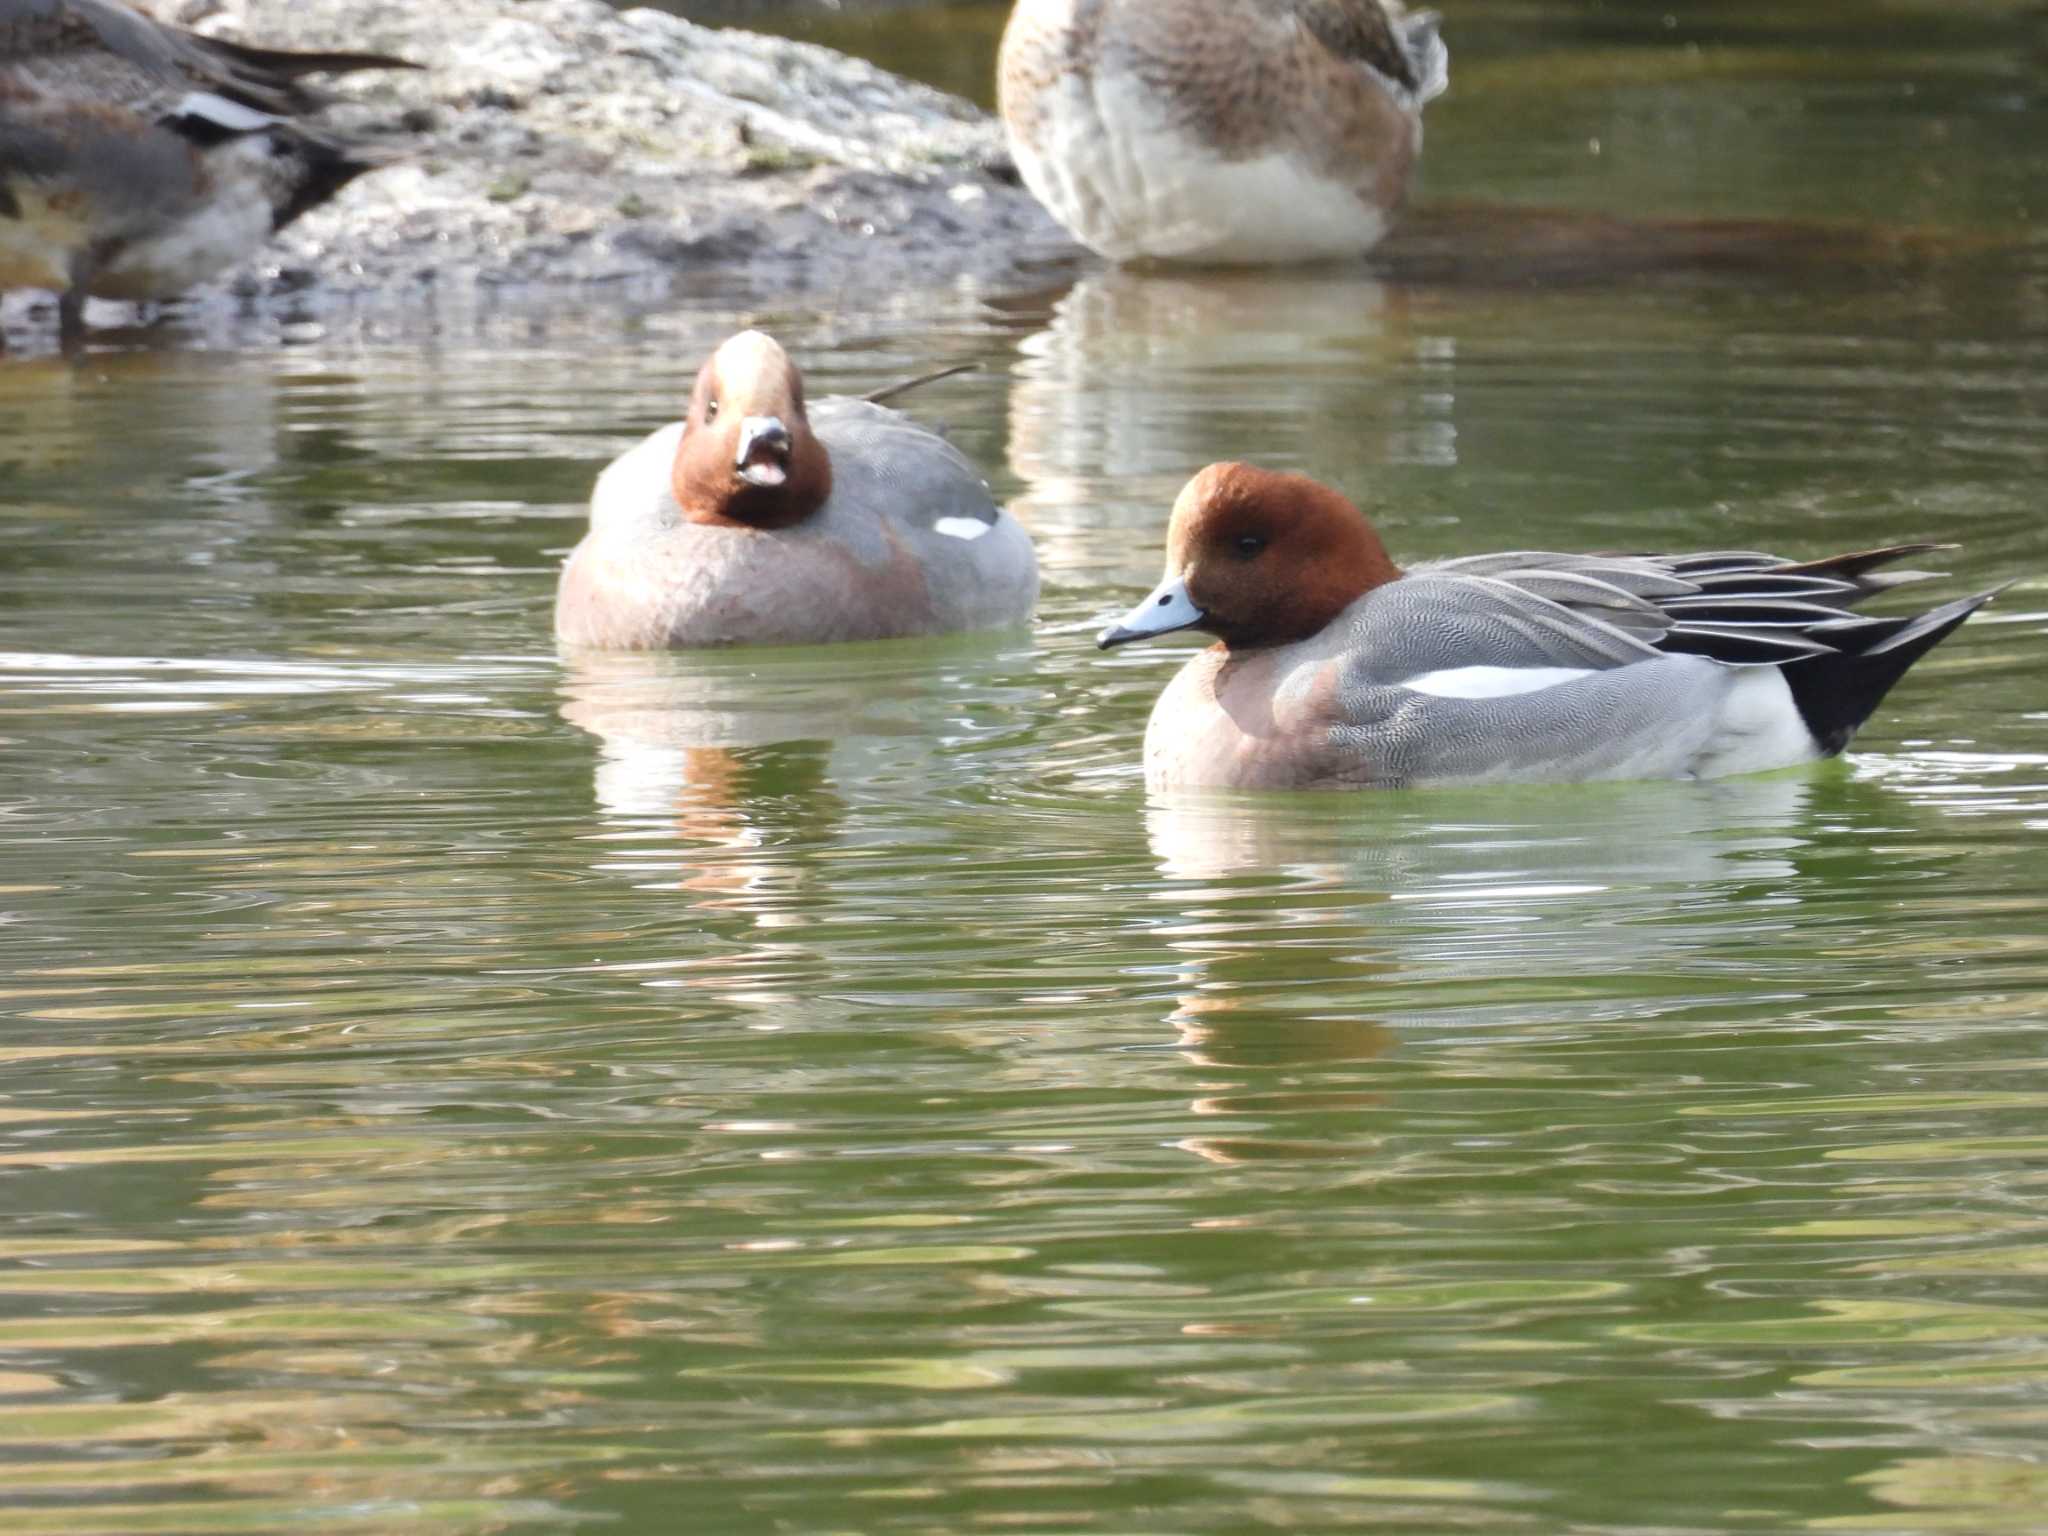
x=1334 y=668
x=1227 y=132
x=138 y=159
x=759 y=521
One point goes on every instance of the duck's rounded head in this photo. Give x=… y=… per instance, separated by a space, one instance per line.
x=1256 y=557
x=748 y=455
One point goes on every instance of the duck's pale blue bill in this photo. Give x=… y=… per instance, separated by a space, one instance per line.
x=763 y=457
x=1167 y=608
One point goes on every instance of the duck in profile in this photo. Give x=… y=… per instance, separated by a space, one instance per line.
x=757 y=520
x=138 y=159
x=1334 y=668
x=1222 y=132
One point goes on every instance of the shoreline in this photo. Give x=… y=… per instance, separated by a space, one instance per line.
x=562 y=150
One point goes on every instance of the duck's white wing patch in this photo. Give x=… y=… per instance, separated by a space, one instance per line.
x=1490 y=682
x=962 y=527
x=221 y=112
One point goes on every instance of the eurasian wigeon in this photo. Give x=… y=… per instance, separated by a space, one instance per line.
x=1228 y=132
x=139 y=159
x=1334 y=668
x=756 y=521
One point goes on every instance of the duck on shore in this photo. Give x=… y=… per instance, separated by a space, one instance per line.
x=1226 y=132
x=1334 y=668
x=138 y=159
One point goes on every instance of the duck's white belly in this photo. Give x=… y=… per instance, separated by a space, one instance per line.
x=215 y=235
x=1130 y=184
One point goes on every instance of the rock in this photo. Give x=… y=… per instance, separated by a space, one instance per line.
x=554 y=143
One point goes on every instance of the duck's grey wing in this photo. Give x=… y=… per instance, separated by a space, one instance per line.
x=1435 y=619
x=44 y=29
x=1849 y=577
x=121 y=173
x=92 y=50
x=267 y=68
x=28 y=151
x=88 y=53
x=1742 y=607
x=889 y=472
x=899 y=468
x=1536 y=666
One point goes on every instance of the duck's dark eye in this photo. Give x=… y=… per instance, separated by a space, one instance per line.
x=710 y=412
x=1249 y=544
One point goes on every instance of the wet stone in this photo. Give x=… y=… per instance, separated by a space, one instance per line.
x=571 y=144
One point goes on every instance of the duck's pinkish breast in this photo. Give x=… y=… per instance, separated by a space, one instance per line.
x=1261 y=721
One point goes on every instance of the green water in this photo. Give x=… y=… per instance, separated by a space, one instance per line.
x=448 y=1089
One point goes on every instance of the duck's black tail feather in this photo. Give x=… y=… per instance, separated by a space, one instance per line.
x=1860 y=567
x=1836 y=693
x=272 y=79
x=322 y=167
x=904 y=386
x=293 y=62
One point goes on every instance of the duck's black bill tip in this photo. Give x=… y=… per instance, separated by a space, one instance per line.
x=1116 y=635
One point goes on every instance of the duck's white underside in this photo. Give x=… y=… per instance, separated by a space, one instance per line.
x=1757 y=728
x=230 y=224
x=1130 y=185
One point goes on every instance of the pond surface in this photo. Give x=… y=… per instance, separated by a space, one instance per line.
x=452 y=1089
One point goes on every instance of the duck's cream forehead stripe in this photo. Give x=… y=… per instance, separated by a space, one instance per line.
x=751 y=347
x=751 y=363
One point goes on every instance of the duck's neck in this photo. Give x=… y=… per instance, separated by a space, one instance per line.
x=710 y=489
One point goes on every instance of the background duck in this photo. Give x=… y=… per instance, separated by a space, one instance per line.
x=1335 y=668
x=1219 y=131
x=760 y=521
x=138 y=159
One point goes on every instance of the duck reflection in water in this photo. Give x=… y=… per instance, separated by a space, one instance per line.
x=1139 y=375
x=749 y=757
x=1279 y=1029
x=1644 y=838
x=684 y=759
x=1459 y=888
